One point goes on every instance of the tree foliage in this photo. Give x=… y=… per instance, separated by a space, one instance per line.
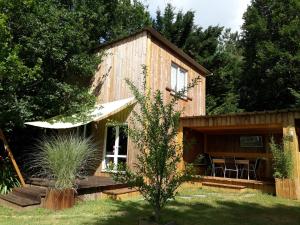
x=46 y=53
x=271 y=41
x=154 y=130
x=217 y=49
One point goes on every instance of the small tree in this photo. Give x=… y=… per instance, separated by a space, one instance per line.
x=154 y=128
x=282 y=159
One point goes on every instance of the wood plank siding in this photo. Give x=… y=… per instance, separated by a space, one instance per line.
x=160 y=70
x=124 y=58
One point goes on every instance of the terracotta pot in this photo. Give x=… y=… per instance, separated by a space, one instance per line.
x=59 y=199
x=287 y=188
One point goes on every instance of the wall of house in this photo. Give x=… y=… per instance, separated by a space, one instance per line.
x=123 y=59
x=98 y=130
x=160 y=72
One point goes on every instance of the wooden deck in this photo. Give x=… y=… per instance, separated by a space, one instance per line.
x=34 y=192
x=88 y=185
x=232 y=183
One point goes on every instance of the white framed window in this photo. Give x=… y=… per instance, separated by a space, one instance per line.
x=115 y=146
x=178 y=78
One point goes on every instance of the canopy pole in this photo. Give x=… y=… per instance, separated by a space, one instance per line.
x=12 y=159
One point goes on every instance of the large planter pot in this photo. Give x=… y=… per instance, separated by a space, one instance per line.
x=288 y=188
x=59 y=199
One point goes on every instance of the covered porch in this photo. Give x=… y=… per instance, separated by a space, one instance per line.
x=234 y=149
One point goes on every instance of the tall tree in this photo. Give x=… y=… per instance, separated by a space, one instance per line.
x=50 y=43
x=271 y=40
x=217 y=49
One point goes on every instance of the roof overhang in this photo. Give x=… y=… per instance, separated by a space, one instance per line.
x=99 y=112
x=165 y=42
x=245 y=120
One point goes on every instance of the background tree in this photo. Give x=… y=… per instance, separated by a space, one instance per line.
x=217 y=49
x=271 y=41
x=154 y=128
x=47 y=57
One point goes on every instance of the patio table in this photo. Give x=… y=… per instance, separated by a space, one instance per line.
x=244 y=162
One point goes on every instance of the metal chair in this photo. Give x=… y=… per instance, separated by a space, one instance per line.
x=231 y=166
x=253 y=168
x=215 y=168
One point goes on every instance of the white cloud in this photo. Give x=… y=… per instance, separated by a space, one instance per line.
x=227 y=13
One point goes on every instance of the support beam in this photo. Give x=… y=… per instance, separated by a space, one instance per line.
x=12 y=159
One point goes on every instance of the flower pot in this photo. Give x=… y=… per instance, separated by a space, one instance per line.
x=287 y=188
x=59 y=199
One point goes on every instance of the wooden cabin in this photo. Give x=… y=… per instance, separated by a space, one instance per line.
x=244 y=137
x=169 y=70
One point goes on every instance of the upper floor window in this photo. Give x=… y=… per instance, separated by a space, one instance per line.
x=178 y=78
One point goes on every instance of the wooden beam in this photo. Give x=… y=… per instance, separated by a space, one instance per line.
x=10 y=155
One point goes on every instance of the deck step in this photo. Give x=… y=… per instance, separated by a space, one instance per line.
x=30 y=192
x=227 y=186
x=24 y=196
x=19 y=201
x=120 y=193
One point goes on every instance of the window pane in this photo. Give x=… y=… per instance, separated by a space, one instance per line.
x=110 y=140
x=123 y=140
x=181 y=80
x=173 y=77
x=122 y=161
x=109 y=162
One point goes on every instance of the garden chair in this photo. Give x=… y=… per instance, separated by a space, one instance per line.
x=214 y=168
x=231 y=166
x=252 y=168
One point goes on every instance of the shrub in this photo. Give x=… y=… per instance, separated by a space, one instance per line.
x=8 y=178
x=154 y=129
x=65 y=158
x=282 y=159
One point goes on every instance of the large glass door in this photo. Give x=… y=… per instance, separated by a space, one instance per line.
x=115 y=146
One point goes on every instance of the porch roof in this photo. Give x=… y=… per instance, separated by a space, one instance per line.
x=245 y=120
x=99 y=112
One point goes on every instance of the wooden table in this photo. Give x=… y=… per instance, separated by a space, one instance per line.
x=244 y=162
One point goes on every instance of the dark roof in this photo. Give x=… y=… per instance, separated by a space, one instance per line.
x=157 y=36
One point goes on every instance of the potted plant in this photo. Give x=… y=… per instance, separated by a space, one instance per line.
x=286 y=187
x=63 y=159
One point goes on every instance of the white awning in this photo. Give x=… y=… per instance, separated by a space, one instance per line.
x=100 y=112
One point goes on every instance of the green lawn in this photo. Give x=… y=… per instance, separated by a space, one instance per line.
x=193 y=206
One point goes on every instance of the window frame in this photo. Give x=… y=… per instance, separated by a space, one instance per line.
x=185 y=72
x=116 y=155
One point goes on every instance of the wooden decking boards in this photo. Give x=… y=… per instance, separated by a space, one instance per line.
x=36 y=188
x=25 y=196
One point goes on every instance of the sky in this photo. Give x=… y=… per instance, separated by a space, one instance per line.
x=227 y=13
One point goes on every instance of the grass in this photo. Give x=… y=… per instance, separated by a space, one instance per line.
x=192 y=206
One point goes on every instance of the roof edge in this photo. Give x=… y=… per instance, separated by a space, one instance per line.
x=159 y=37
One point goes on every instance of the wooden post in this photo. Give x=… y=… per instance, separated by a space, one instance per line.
x=205 y=143
x=10 y=155
x=180 y=143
